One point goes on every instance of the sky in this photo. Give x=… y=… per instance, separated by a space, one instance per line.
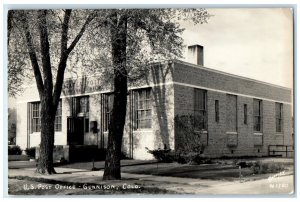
x=251 y=42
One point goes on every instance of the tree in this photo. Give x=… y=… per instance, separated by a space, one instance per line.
x=12 y=116
x=39 y=28
x=148 y=34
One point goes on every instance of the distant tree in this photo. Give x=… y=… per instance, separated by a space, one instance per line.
x=43 y=37
x=135 y=38
x=12 y=116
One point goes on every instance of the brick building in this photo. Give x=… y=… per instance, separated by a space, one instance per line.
x=176 y=105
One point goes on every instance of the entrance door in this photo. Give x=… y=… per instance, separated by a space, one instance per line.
x=75 y=130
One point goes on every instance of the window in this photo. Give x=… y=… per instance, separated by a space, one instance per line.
x=83 y=104
x=108 y=106
x=35 y=117
x=231 y=113
x=245 y=114
x=278 y=114
x=57 y=124
x=79 y=105
x=80 y=109
x=257 y=115
x=84 y=108
x=217 y=110
x=200 y=113
x=143 y=108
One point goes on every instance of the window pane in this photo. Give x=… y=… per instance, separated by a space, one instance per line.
x=200 y=99
x=58 y=117
x=148 y=114
x=143 y=108
x=139 y=114
x=278 y=110
x=148 y=104
x=257 y=113
x=278 y=125
x=256 y=110
x=200 y=117
x=83 y=104
x=245 y=114
x=35 y=117
x=108 y=107
x=217 y=110
x=278 y=116
x=257 y=123
x=141 y=104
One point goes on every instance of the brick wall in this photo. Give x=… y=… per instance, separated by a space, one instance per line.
x=208 y=78
x=245 y=142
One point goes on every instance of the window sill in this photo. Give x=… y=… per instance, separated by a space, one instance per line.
x=259 y=134
x=231 y=133
x=201 y=131
x=83 y=114
x=143 y=130
x=279 y=134
x=35 y=133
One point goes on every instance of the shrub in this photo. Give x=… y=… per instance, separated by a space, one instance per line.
x=168 y=156
x=162 y=155
x=190 y=139
x=194 y=158
x=181 y=160
x=276 y=167
x=14 y=150
x=124 y=156
x=30 y=152
x=259 y=167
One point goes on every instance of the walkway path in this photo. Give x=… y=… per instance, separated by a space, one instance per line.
x=277 y=184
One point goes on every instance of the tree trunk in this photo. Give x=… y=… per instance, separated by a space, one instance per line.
x=49 y=96
x=112 y=168
x=45 y=161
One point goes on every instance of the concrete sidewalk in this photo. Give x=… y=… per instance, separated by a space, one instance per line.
x=281 y=184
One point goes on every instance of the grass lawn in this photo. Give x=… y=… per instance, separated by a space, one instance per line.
x=100 y=164
x=206 y=171
x=226 y=171
x=18 y=158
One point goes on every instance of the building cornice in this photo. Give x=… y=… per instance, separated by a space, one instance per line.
x=228 y=74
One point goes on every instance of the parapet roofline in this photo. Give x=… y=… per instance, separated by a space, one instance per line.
x=228 y=74
x=192 y=65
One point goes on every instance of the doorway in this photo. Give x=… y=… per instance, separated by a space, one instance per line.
x=75 y=132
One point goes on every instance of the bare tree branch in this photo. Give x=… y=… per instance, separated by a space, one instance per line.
x=66 y=51
x=79 y=35
x=32 y=54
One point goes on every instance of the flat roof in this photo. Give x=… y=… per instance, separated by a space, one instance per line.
x=227 y=74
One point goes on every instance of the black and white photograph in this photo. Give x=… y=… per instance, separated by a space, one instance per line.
x=159 y=101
